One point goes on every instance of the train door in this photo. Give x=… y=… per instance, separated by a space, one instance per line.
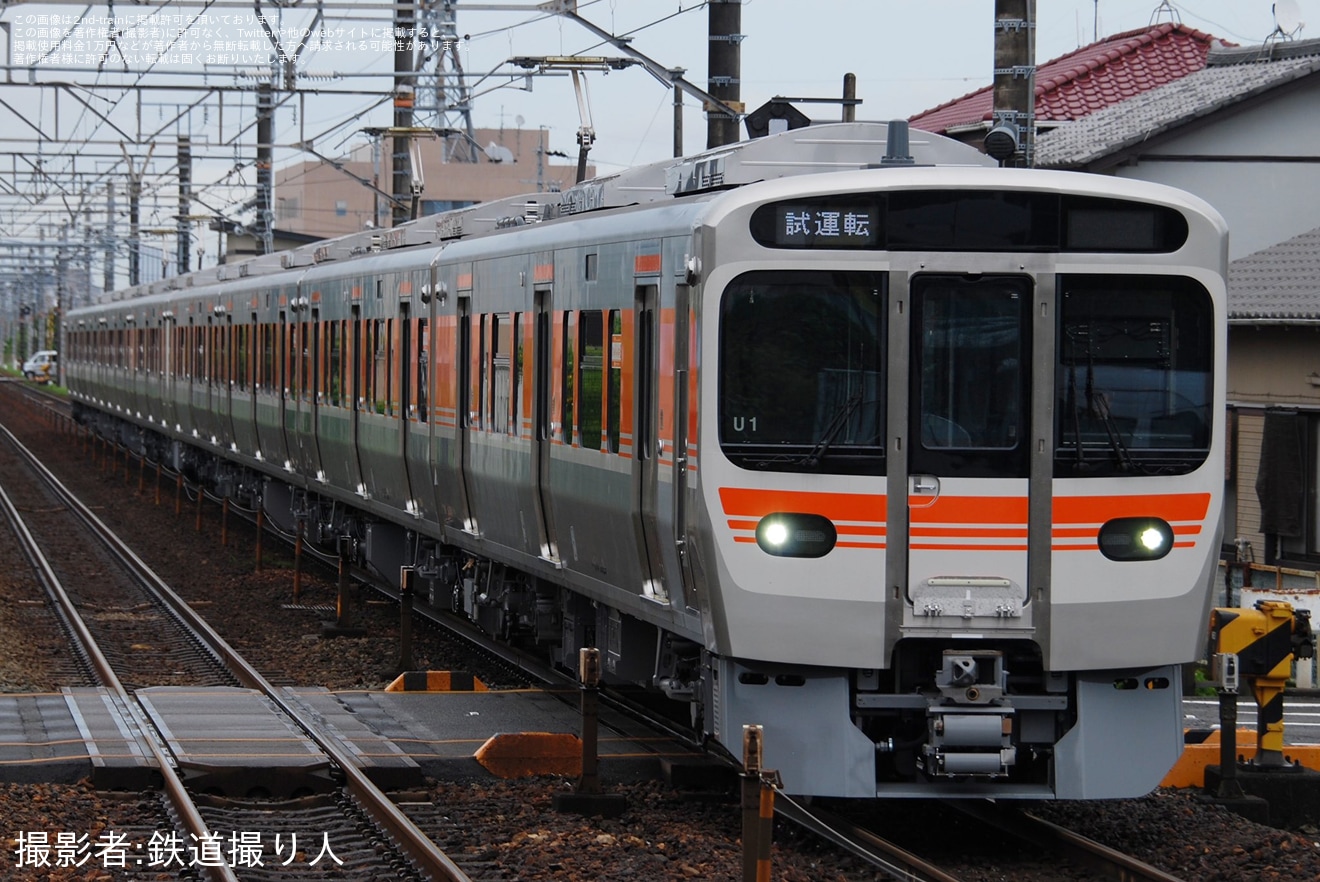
x=968 y=458
x=674 y=433
x=284 y=404
x=418 y=402
x=406 y=410
x=469 y=407
x=229 y=368
x=306 y=372
x=542 y=415
x=170 y=370
x=650 y=506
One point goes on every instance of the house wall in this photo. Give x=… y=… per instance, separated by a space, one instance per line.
x=1268 y=366
x=316 y=198
x=1257 y=166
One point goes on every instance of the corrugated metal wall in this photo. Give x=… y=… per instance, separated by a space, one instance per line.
x=1250 y=430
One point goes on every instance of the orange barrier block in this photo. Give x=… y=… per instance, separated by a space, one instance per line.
x=524 y=754
x=436 y=681
x=1189 y=771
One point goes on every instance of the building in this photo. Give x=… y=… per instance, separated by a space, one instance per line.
x=1076 y=85
x=1240 y=133
x=330 y=198
x=1273 y=470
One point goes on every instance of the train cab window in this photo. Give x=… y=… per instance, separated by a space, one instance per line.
x=801 y=371
x=591 y=375
x=967 y=383
x=1133 y=381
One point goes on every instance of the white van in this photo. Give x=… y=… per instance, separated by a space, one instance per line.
x=41 y=366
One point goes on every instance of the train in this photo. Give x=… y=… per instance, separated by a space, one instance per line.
x=846 y=432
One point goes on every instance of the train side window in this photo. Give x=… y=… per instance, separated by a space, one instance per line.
x=288 y=352
x=516 y=375
x=464 y=376
x=313 y=362
x=241 y=357
x=391 y=384
x=423 y=372
x=371 y=366
x=334 y=376
x=498 y=395
x=266 y=380
x=483 y=377
x=357 y=393
x=614 y=403
x=380 y=372
x=198 y=345
x=591 y=356
x=567 y=374
x=176 y=349
x=407 y=405
x=227 y=365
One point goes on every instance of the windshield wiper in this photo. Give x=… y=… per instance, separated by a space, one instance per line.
x=836 y=425
x=1098 y=404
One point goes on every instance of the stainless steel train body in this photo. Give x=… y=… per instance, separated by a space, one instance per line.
x=917 y=467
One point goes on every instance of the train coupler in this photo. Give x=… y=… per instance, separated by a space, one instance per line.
x=970 y=723
x=969 y=743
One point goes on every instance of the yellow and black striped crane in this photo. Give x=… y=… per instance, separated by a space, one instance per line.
x=1260 y=645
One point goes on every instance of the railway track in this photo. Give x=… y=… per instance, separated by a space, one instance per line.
x=367 y=823
x=1106 y=862
x=941 y=836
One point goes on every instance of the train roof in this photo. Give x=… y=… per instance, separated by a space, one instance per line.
x=810 y=150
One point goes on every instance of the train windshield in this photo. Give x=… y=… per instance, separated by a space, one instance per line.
x=802 y=372
x=1133 y=379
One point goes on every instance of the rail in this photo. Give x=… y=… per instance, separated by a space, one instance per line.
x=1110 y=862
x=175 y=791
x=427 y=857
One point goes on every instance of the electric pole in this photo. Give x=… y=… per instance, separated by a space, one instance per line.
x=724 y=62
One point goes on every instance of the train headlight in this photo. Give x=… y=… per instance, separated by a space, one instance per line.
x=1135 y=539
x=788 y=534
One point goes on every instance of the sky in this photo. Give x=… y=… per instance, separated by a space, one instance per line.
x=907 y=55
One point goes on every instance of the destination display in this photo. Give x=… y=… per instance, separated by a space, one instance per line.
x=825 y=225
x=970 y=220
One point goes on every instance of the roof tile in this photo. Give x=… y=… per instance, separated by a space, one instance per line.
x=1277 y=284
x=1091 y=78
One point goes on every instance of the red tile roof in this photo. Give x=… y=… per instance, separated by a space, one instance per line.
x=1091 y=78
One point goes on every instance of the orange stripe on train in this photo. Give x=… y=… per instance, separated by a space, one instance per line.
x=748 y=503
x=1098 y=509
x=968 y=512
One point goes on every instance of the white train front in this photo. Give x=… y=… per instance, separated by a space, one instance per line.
x=917 y=465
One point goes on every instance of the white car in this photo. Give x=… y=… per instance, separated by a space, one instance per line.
x=41 y=366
